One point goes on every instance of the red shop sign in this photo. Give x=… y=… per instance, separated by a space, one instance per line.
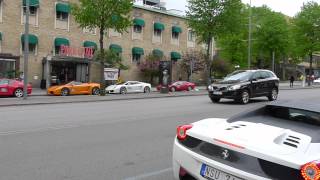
x=81 y=52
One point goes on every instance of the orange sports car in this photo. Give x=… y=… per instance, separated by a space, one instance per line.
x=75 y=88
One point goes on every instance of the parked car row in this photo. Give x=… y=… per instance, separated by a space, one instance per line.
x=11 y=87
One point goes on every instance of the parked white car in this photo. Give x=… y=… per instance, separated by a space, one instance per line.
x=317 y=81
x=129 y=87
x=276 y=141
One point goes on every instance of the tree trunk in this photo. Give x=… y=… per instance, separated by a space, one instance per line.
x=310 y=69
x=102 y=80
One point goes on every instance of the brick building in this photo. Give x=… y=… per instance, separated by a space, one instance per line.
x=52 y=26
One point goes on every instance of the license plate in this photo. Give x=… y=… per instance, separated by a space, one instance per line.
x=217 y=92
x=215 y=174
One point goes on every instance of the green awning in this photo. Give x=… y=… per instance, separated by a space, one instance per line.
x=31 y=3
x=33 y=39
x=175 y=55
x=158 y=26
x=176 y=29
x=62 y=7
x=157 y=52
x=116 y=48
x=138 y=51
x=90 y=44
x=0 y=36
x=61 y=41
x=138 y=22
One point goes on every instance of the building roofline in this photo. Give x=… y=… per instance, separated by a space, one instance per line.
x=158 y=11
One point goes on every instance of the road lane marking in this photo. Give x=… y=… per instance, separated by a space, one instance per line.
x=146 y=175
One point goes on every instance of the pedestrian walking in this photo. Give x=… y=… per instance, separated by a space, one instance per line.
x=291 y=81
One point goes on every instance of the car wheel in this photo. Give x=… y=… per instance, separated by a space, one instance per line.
x=18 y=93
x=65 y=92
x=245 y=97
x=146 y=90
x=215 y=99
x=189 y=88
x=95 y=91
x=273 y=95
x=173 y=89
x=123 y=90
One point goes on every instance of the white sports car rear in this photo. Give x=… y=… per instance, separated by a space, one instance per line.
x=129 y=87
x=277 y=141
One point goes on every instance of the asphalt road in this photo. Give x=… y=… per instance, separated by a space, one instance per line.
x=113 y=140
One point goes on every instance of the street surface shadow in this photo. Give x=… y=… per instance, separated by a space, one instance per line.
x=232 y=102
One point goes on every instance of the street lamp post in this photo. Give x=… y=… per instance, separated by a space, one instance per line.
x=249 y=37
x=26 y=52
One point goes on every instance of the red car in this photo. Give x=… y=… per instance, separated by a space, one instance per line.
x=179 y=86
x=10 y=87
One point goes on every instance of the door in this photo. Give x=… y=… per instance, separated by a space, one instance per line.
x=130 y=87
x=138 y=87
x=79 y=88
x=256 y=84
x=81 y=73
x=266 y=83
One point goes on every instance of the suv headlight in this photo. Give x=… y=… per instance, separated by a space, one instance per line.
x=210 y=88
x=234 y=87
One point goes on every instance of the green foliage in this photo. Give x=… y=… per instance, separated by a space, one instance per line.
x=213 y=18
x=221 y=68
x=307 y=29
x=110 y=58
x=103 y=14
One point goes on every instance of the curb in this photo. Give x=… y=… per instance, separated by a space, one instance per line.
x=103 y=100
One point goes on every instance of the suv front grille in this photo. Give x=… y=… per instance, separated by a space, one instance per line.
x=241 y=161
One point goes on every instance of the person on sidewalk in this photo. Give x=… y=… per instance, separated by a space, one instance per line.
x=291 y=81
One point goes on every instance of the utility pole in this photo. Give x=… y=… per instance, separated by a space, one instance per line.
x=26 y=52
x=273 y=57
x=249 y=38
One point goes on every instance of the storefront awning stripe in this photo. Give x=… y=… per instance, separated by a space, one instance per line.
x=175 y=55
x=138 y=22
x=33 y=39
x=31 y=3
x=157 y=52
x=62 y=7
x=90 y=44
x=158 y=26
x=61 y=41
x=176 y=29
x=116 y=48
x=138 y=51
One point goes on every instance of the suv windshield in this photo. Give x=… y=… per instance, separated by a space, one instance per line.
x=238 y=76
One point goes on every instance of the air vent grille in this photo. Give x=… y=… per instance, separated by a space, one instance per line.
x=292 y=141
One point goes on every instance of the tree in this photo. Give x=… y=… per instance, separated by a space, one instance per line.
x=150 y=67
x=103 y=14
x=192 y=62
x=272 y=35
x=212 y=19
x=307 y=31
x=221 y=67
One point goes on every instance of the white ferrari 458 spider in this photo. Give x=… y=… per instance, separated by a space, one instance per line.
x=278 y=141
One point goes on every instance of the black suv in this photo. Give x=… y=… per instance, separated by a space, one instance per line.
x=245 y=84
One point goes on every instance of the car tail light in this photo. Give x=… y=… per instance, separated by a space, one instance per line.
x=182 y=172
x=311 y=171
x=182 y=131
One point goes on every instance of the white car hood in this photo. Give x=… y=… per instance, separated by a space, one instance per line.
x=112 y=87
x=259 y=140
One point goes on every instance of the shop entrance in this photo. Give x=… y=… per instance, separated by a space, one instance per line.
x=64 y=72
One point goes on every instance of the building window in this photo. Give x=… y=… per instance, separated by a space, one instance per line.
x=191 y=36
x=32 y=48
x=137 y=29
x=62 y=16
x=175 y=35
x=157 y=32
x=90 y=30
x=1 y=10
x=33 y=10
x=136 y=58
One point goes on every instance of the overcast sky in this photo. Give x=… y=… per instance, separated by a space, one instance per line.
x=288 y=7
